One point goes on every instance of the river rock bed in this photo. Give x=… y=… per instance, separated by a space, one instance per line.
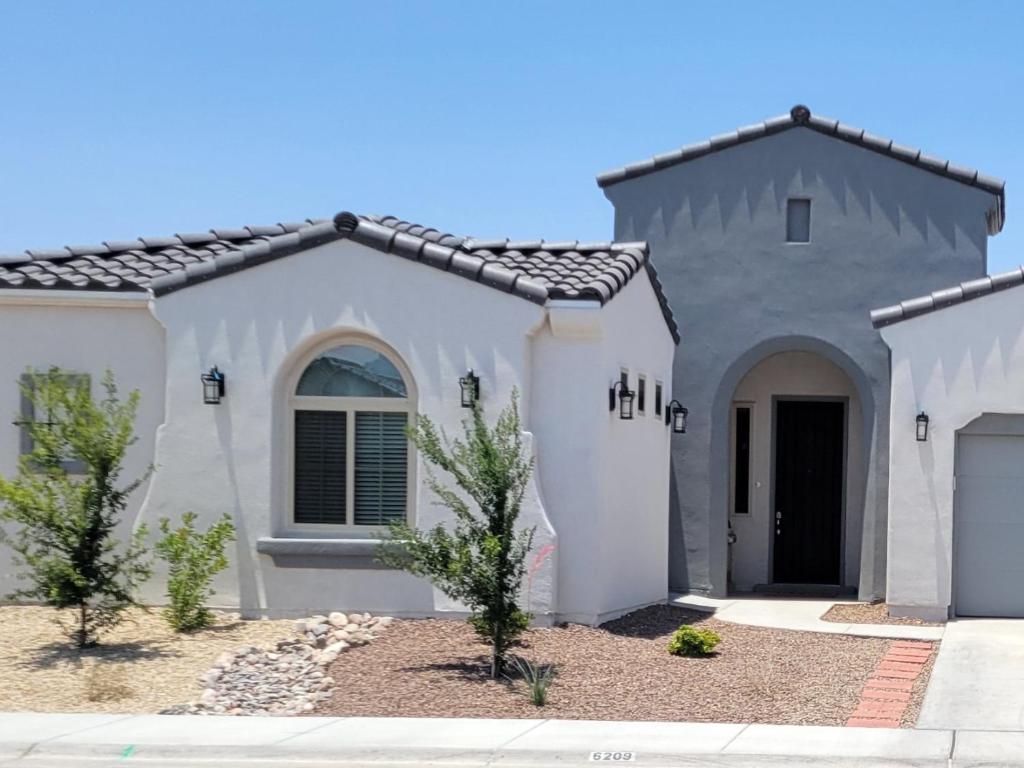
x=290 y=678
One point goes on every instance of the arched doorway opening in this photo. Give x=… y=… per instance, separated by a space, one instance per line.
x=795 y=478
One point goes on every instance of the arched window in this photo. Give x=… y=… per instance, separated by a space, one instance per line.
x=351 y=458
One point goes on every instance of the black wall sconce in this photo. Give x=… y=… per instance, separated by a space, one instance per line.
x=922 y=427
x=675 y=414
x=470 y=386
x=213 y=386
x=626 y=396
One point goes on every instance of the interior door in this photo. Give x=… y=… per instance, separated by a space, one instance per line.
x=809 y=468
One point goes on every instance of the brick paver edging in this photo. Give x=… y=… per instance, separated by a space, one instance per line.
x=886 y=694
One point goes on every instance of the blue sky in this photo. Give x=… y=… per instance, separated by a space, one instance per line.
x=481 y=118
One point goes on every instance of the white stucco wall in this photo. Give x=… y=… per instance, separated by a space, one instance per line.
x=955 y=364
x=605 y=479
x=599 y=497
x=795 y=374
x=254 y=326
x=84 y=335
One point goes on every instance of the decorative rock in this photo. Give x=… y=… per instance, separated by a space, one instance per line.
x=224 y=660
x=288 y=679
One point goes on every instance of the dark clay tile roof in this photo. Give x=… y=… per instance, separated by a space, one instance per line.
x=947 y=297
x=129 y=265
x=800 y=116
x=534 y=270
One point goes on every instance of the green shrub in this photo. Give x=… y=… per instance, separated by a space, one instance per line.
x=479 y=560
x=65 y=520
x=537 y=677
x=689 y=641
x=193 y=560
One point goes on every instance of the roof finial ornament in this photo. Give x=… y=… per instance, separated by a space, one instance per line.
x=800 y=114
x=346 y=222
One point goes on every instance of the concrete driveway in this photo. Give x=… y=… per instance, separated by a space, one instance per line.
x=978 y=680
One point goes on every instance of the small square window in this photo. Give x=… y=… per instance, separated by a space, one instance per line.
x=28 y=415
x=641 y=395
x=798 y=220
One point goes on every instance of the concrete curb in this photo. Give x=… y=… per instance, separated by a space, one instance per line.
x=26 y=738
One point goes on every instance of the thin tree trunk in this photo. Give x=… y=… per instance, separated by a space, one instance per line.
x=82 y=637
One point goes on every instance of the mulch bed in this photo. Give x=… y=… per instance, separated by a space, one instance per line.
x=620 y=671
x=868 y=613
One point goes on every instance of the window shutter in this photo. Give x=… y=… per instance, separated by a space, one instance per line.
x=320 y=467
x=381 y=468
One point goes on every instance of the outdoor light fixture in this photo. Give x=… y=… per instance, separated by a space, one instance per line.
x=625 y=400
x=675 y=414
x=470 y=386
x=922 y=427
x=213 y=386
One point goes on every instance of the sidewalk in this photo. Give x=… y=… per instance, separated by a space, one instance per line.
x=28 y=739
x=798 y=613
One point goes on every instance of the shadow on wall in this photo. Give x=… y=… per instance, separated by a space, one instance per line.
x=245 y=567
x=719 y=188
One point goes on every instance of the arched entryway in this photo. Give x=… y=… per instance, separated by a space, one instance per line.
x=794 y=425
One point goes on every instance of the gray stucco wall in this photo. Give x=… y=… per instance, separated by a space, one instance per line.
x=881 y=231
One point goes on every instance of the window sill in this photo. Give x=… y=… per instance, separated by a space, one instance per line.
x=321 y=553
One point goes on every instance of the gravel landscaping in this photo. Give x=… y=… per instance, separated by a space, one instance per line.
x=141 y=666
x=870 y=613
x=620 y=671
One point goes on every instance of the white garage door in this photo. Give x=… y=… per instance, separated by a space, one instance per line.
x=989 y=526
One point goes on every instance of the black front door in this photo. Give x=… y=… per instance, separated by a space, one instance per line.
x=809 y=437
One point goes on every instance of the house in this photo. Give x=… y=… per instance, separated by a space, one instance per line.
x=773 y=243
x=799 y=470
x=330 y=337
x=956 y=532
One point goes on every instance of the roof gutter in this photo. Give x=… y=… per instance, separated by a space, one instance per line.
x=14 y=297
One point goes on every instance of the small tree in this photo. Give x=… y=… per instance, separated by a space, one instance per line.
x=67 y=521
x=481 y=561
x=193 y=560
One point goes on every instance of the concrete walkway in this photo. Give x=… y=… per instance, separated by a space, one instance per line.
x=43 y=740
x=799 y=614
x=978 y=679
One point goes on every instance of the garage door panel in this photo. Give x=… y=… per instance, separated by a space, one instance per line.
x=989 y=526
x=991 y=499
x=1000 y=543
x=989 y=604
x=990 y=455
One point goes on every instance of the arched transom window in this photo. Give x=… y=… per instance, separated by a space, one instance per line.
x=351 y=458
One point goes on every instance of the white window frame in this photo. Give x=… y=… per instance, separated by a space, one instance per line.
x=641 y=405
x=26 y=414
x=350 y=405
